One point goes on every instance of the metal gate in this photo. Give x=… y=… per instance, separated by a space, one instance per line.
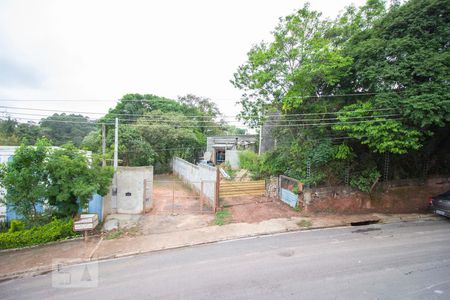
x=172 y=196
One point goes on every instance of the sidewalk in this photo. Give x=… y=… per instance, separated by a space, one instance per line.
x=37 y=260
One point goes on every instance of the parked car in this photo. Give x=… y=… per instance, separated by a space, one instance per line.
x=206 y=162
x=440 y=204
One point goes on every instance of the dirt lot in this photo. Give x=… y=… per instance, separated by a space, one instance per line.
x=398 y=200
x=253 y=209
x=175 y=207
x=409 y=199
x=171 y=195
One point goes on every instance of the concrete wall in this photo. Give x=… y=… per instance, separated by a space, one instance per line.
x=134 y=189
x=194 y=175
x=232 y=157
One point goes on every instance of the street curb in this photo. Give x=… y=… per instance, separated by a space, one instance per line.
x=47 y=269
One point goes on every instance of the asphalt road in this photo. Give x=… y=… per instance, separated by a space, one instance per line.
x=396 y=261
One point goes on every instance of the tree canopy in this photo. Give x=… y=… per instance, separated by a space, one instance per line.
x=64 y=179
x=373 y=81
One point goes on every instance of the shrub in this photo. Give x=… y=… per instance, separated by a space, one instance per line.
x=53 y=231
x=249 y=160
x=16 y=225
x=4 y=226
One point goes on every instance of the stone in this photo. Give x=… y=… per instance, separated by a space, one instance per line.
x=111 y=224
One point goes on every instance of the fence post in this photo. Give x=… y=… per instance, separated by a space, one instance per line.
x=173 y=195
x=216 y=196
x=201 y=197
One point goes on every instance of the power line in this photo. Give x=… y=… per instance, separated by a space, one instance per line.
x=168 y=120
x=195 y=116
x=220 y=126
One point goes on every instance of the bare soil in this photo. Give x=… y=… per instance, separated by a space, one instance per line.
x=253 y=209
x=408 y=199
x=176 y=207
x=172 y=196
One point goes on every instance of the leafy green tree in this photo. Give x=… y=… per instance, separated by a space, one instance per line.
x=301 y=61
x=64 y=178
x=13 y=133
x=172 y=135
x=133 y=106
x=63 y=128
x=134 y=149
x=73 y=179
x=25 y=180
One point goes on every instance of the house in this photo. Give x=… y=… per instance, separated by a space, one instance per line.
x=225 y=148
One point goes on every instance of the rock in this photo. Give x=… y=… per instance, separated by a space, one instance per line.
x=111 y=224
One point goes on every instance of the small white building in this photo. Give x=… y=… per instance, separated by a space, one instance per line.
x=217 y=147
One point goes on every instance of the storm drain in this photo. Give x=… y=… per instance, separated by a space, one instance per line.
x=364 y=223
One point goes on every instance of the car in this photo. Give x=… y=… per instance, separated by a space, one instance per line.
x=440 y=204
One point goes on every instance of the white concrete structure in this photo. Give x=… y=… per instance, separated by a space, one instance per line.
x=134 y=189
x=194 y=176
x=232 y=158
x=218 y=145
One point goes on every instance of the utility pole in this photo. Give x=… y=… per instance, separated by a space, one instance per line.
x=103 y=145
x=114 y=189
x=116 y=144
x=260 y=139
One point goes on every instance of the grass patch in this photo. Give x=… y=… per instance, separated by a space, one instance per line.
x=114 y=235
x=222 y=217
x=304 y=223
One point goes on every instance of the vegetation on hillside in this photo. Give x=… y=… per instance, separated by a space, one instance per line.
x=350 y=91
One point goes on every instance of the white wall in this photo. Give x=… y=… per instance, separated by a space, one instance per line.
x=194 y=175
x=131 y=196
x=232 y=157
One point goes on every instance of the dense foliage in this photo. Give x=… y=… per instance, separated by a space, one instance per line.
x=54 y=231
x=350 y=91
x=153 y=129
x=63 y=179
x=58 y=128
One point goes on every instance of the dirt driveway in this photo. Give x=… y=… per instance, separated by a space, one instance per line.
x=175 y=207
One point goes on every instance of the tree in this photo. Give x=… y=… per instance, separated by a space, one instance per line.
x=25 y=180
x=404 y=60
x=62 y=128
x=171 y=135
x=375 y=78
x=13 y=133
x=300 y=62
x=64 y=178
x=73 y=178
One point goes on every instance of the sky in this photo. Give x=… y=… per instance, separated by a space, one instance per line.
x=94 y=50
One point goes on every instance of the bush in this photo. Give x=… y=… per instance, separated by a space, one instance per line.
x=16 y=225
x=54 y=231
x=249 y=160
x=4 y=226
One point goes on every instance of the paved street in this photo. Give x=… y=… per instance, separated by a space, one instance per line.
x=396 y=261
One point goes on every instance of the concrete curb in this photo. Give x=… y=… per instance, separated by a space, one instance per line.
x=47 y=269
